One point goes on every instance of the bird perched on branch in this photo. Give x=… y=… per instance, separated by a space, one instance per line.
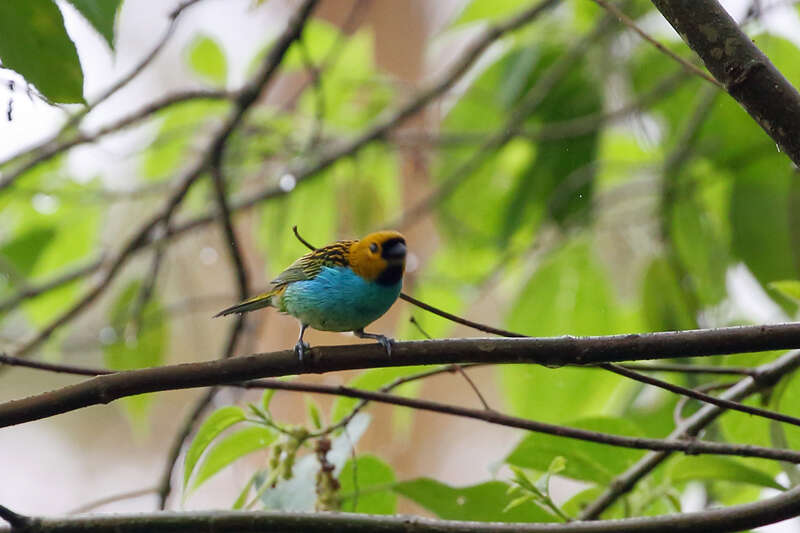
x=343 y=286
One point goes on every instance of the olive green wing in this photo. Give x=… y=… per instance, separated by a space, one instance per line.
x=308 y=266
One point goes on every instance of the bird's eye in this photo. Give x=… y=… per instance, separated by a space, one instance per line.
x=373 y=247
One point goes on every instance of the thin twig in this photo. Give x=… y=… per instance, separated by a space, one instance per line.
x=146 y=290
x=16 y=520
x=91 y=506
x=493 y=417
x=52 y=367
x=698 y=395
x=690 y=369
x=32 y=291
x=629 y=22
x=457 y=368
x=677 y=412
x=624 y=482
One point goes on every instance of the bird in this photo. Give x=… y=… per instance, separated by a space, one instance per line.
x=343 y=286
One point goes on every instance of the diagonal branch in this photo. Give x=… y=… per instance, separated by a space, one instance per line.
x=629 y=22
x=747 y=74
x=689 y=446
x=689 y=429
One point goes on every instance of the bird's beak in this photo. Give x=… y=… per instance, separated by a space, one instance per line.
x=394 y=250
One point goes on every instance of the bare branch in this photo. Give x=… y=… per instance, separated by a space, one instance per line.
x=91 y=506
x=688 y=430
x=550 y=351
x=698 y=395
x=611 y=8
x=747 y=74
x=16 y=520
x=52 y=367
x=690 y=369
x=735 y=518
x=32 y=291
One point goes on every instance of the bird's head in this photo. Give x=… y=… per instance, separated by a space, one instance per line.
x=379 y=257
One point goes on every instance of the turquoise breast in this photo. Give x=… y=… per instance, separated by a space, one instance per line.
x=337 y=299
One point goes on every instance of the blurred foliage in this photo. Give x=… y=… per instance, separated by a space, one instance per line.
x=207 y=59
x=34 y=42
x=579 y=225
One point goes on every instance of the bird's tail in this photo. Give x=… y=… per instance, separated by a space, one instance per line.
x=256 y=302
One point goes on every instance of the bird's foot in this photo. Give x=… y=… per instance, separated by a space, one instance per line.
x=301 y=349
x=383 y=340
x=386 y=342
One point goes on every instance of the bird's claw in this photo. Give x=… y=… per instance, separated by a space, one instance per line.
x=386 y=342
x=300 y=349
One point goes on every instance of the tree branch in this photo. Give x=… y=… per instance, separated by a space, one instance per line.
x=31 y=291
x=550 y=351
x=17 y=521
x=690 y=428
x=747 y=74
x=629 y=22
x=735 y=518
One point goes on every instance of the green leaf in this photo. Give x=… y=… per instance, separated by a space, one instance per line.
x=34 y=43
x=171 y=147
x=100 y=14
x=207 y=59
x=483 y=503
x=699 y=247
x=216 y=423
x=568 y=295
x=664 y=305
x=789 y=288
x=762 y=206
x=231 y=448
x=266 y=398
x=745 y=428
x=318 y=38
x=370 y=472
x=558 y=184
x=481 y=10
x=586 y=461
x=141 y=341
x=577 y=503
x=242 y=498
x=24 y=250
x=719 y=469
x=789 y=403
x=314 y=413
